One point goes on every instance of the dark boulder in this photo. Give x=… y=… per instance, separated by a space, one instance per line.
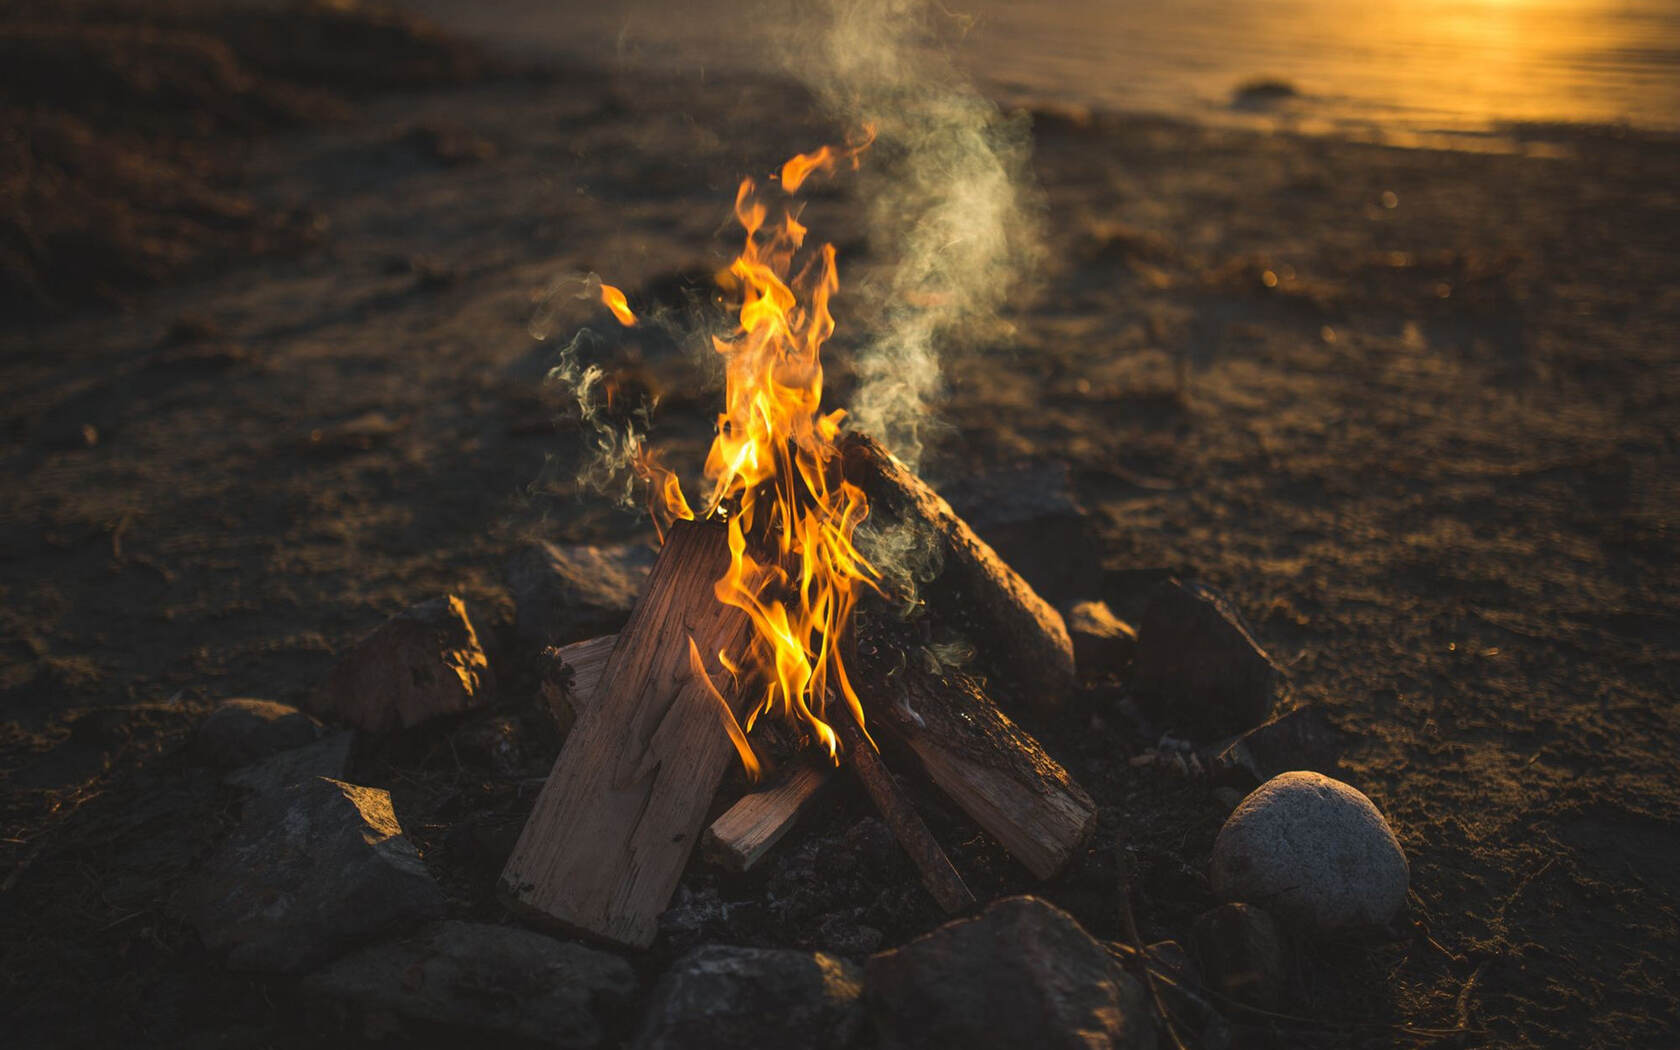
x=493 y=982
x=730 y=998
x=1023 y=974
x=312 y=870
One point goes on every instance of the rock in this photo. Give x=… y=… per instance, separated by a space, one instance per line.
x=1197 y=667
x=419 y=664
x=1021 y=974
x=241 y=731
x=497 y=982
x=1102 y=644
x=494 y=744
x=312 y=870
x=843 y=935
x=570 y=593
x=328 y=757
x=1305 y=738
x=1240 y=952
x=1029 y=514
x=1315 y=852
x=730 y=998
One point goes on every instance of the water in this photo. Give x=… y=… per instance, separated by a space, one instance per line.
x=1428 y=67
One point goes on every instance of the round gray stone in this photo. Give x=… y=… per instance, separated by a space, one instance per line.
x=1314 y=852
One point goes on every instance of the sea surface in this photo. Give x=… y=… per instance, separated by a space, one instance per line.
x=1425 y=68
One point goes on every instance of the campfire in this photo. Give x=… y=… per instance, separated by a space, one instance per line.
x=763 y=608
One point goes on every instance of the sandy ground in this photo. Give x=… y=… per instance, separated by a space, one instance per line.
x=1414 y=411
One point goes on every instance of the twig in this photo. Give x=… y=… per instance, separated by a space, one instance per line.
x=1464 y=995
x=1129 y=921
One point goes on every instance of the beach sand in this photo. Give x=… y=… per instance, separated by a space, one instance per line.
x=1415 y=411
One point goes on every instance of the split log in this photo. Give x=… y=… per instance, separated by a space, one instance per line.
x=938 y=874
x=1023 y=637
x=614 y=825
x=748 y=829
x=571 y=675
x=990 y=768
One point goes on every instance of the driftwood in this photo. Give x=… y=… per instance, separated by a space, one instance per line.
x=993 y=770
x=938 y=875
x=1022 y=638
x=614 y=825
x=746 y=831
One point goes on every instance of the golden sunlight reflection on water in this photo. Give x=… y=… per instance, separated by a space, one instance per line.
x=1421 y=65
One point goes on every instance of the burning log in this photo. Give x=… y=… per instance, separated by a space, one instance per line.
x=994 y=771
x=623 y=808
x=1025 y=639
x=747 y=830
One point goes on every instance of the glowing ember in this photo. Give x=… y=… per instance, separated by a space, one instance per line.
x=774 y=471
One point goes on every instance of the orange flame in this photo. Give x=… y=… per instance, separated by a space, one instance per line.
x=798 y=169
x=730 y=725
x=619 y=305
x=774 y=473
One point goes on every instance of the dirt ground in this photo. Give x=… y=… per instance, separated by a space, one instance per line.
x=1414 y=411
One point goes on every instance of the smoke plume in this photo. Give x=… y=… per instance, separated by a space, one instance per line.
x=952 y=209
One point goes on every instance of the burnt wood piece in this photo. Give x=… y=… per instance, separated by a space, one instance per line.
x=1022 y=637
x=1198 y=670
x=938 y=874
x=747 y=830
x=992 y=769
x=623 y=808
x=571 y=675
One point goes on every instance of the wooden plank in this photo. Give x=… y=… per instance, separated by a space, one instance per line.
x=614 y=825
x=938 y=874
x=1019 y=635
x=745 y=832
x=987 y=765
x=572 y=676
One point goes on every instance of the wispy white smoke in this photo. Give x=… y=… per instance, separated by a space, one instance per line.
x=614 y=438
x=952 y=208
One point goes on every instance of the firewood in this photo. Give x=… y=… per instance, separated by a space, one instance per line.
x=571 y=674
x=993 y=770
x=938 y=874
x=1022 y=636
x=614 y=825
x=748 y=829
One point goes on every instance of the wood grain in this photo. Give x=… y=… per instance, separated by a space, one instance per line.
x=1020 y=636
x=573 y=676
x=993 y=770
x=622 y=810
x=744 y=834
